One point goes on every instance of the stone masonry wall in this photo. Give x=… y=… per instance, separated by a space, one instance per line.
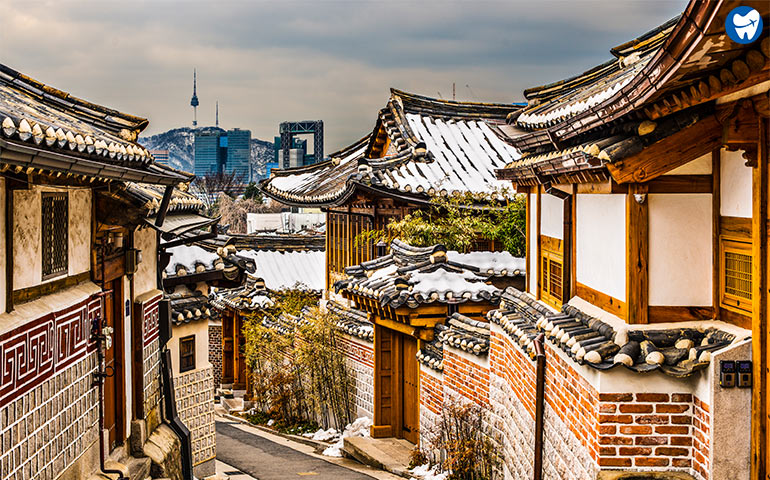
x=194 y=392
x=48 y=405
x=148 y=310
x=360 y=361
x=215 y=353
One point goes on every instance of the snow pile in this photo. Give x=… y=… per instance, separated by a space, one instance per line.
x=426 y=472
x=188 y=256
x=323 y=435
x=359 y=428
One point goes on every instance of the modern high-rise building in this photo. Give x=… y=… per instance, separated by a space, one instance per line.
x=239 y=153
x=161 y=156
x=218 y=151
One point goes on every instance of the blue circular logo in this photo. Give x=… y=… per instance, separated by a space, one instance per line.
x=743 y=25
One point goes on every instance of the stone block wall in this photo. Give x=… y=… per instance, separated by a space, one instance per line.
x=48 y=406
x=148 y=310
x=215 y=353
x=359 y=355
x=194 y=392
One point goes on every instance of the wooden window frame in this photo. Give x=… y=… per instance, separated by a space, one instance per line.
x=47 y=247
x=551 y=252
x=732 y=302
x=186 y=356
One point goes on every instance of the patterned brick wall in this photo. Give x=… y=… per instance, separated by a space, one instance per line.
x=215 y=353
x=701 y=433
x=194 y=392
x=360 y=361
x=431 y=402
x=48 y=406
x=466 y=375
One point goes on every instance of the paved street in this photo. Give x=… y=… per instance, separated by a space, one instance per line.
x=270 y=457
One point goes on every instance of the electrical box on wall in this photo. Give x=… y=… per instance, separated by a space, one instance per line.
x=727 y=373
x=133 y=259
x=744 y=373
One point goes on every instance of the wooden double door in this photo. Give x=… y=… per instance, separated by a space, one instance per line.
x=114 y=361
x=233 y=359
x=396 y=386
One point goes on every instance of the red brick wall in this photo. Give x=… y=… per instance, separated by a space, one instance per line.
x=466 y=377
x=701 y=433
x=431 y=392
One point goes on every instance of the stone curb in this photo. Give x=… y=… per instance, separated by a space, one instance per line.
x=317 y=445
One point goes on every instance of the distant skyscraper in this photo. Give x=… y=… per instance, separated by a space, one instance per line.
x=210 y=156
x=239 y=153
x=161 y=156
x=217 y=151
x=194 y=100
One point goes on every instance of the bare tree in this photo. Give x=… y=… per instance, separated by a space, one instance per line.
x=209 y=187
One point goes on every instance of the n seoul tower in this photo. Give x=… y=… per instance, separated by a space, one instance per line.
x=194 y=100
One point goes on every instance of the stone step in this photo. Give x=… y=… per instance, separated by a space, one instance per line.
x=390 y=454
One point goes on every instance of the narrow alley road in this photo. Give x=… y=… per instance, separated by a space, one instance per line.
x=269 y=457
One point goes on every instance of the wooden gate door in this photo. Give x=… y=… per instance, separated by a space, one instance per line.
x=113 y=359
x=228 y=348
x=240 y=357
x=384 y=381
x=410 y=390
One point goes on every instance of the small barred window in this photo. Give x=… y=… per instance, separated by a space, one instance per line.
x=55 y=234
x=736 y=275
x=187 y=353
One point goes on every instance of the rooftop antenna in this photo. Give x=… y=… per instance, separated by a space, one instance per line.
x=454 y=97
x=471 y=90
x=439 y=95
x=194 y=100
x=217 y=114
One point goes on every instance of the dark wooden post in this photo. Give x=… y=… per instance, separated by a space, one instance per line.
x=637 y=253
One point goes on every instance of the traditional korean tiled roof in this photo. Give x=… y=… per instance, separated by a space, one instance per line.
x=413 y=276
x=289 y=270
x=433 y=147
x=186 y=308
x=431 y=354
x=56 y=132
x=685 y=62
x=351 y=320
x=464 y=333
x=675 y=351
x=152 y=195
x=285 y=323
x=282 y=242
x=187 y=260
x=251 y=296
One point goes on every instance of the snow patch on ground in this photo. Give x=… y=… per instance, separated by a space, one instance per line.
x=323 y=435
x=426 y=472
x=359 y=428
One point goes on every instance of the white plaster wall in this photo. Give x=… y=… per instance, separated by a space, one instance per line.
x=146 y=277
x=3 y=260
x=27 y=266
x=680 y=249
x=735 y=185
x=601 y=243
x=552 y=219
x=532 y=270
x=699 y=166
x=27 y=217
x=201 y=331
x=79 y=230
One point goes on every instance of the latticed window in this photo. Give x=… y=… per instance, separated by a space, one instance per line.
x=187 y=353
x=552 y=264
x=735 y=273
x=55 y=234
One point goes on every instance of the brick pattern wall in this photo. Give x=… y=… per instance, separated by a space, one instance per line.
x=215 y=353
x=360 y=361
x=151 y=380
x=194 y=392
x=701 y=432
x=466 y=375
x=46 y=429
x=431 y=402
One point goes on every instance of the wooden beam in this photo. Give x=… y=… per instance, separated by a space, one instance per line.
x=539 y=271
x=573 y=243
x=637 y=253
x=528 y=242
x=665 y=313
x=32 y=293
x=681 y=184
x=759 y=410
x=673 y=151
x=163 y=208
x=738 y=228
x=602 y=300
x=609 y=186
x=399 y=327
x=716 y=207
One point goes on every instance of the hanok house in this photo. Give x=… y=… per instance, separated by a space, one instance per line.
x=409 y=294
x=83 y=358
x=420 y=147
x=647 y=251
x=187 y=295
x=273 y=271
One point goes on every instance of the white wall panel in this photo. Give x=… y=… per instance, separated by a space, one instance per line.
x=601 y=243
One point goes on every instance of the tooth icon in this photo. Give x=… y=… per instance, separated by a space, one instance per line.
x=746 y=25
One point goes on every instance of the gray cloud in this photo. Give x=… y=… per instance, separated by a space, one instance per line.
x=270 y=61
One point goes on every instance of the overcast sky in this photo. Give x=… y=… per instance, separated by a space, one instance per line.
x=272 y=61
